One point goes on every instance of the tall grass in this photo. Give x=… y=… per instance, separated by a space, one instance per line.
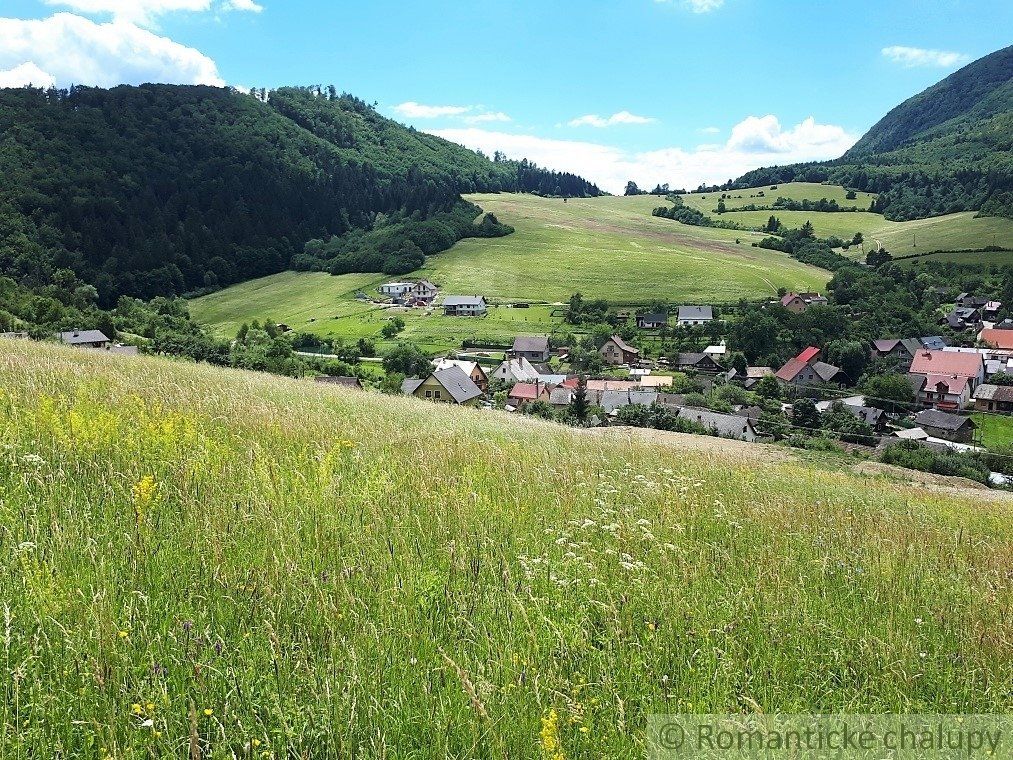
x=209 y=563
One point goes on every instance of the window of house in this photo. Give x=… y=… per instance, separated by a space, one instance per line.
x=438 y=396
x=429 y=394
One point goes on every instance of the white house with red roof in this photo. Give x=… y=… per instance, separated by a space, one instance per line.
x=946 y=380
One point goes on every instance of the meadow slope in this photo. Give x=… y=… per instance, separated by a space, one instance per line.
x=197 y=560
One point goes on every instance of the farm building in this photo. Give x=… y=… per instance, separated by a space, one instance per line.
x=465 y=306
x=653 y=321
x=994 y=398
x=949 y=427
x=84 y=339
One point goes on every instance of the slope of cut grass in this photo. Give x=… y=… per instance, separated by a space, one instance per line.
x=205 y=561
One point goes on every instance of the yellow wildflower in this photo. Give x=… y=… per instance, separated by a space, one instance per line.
x=209 y=712
x=256 y=742
x=552 y=748
x=122 y=634
x=150 y=707
x=135 y=708
x=144 y=494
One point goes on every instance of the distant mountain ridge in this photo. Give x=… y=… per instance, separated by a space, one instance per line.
x=947 y=149
x=164 y=189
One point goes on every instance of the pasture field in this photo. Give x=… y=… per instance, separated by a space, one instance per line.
x=952 y=232
x=995 y=431
x=209 y=563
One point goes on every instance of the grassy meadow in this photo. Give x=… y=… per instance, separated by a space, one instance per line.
x=209 y=563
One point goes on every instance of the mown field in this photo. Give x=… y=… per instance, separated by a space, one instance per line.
x=206 y=563
x=952 y=232
x=608 y=248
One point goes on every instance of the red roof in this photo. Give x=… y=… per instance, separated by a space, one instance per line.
x=956 y=363
x=809 y=355
x=1001 y=339
x=788 y=298
x=527 y=391
x=790 y=371
x=954 y=385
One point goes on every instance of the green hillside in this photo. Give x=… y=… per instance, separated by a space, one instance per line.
x=203 y=562
x=162 y=189
x=607 y=247
x=945 y=150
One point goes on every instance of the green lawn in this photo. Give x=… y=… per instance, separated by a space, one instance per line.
x=994 y=430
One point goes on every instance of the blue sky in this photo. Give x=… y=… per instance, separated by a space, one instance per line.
x=678 y=91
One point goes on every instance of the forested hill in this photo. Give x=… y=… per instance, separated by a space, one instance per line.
x=162 y=189
x=947 y=149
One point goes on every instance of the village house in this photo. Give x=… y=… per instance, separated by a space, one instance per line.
x=1001 y=341
x=84 y=339
x=473 y=370
x=946 y=379
x=523 y=394
x=515 y=371
x=971 y=301
x=345 y=382
x=949 y=427
x=701 y=362
x=856 y=407
x=395 y=289
x=465 y=306
x=653 y=321
x=807 y=369
x=796 y=303
x=695 y=315
x=423 y=290
x=962 y=318
x=724 y=425
x=994 y=398
x=603 y=385
x=447 y=386
x=534 y=348
x=901 y=350
x=617 y=352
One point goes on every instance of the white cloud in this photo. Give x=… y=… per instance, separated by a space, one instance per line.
x=75 y=50
x=244 y=5
x=709 y=130
x=414 y=110
x=26 y=74
x=755 y=142
x=600 y=122
x=697 y=6
x=486 y=118
x=911 y=57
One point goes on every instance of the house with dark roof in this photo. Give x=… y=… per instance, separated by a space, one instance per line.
x=876 y=418
x=933 y=343
x=84 y=339
x=447 y=386
x=971 y=301
x=949 y=427
x=612 y=401
x=695 y=315
x=962 y=318
x=724 y=425
x=994 y=398
x=901 y=350
x=796 y=303
x=946 y=379
x=701 y=362
x=465 y=306
x=653 y=321
x=344 y=382
x=473 y=370
x=807 y=369
x=534 y=348
x=616 y=352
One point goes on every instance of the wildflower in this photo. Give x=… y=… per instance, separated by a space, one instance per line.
x=552 y=749
x=255 y=742
x=208 y=711
x=122 y=634
x=135 y=708
x=150 y=706
x=585 y=730
x=144 y=494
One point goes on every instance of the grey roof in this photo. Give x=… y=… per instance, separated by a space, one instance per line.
x=989 y=392
x=526 y=343
x=942 y=420
x=657 y=316
x=695 y=312
x=612 y=400
x=623 y=345
x=125 y=350
x=76 y=337
x=348 y=382
x=749 y=412
x=454 y=381
x=826 y=372
x=464 y=301
x=560 y=396
x=725 y=425
x=934 y=343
